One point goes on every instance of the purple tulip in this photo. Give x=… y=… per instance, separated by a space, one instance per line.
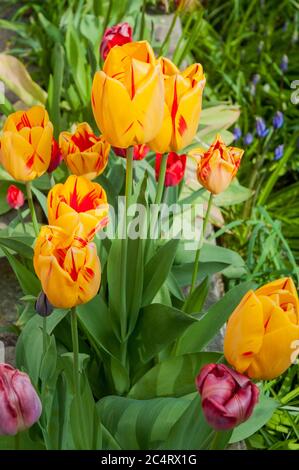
x=20 y=406
x=261 y=128
x=284 y=64
x=227 y=397
x=248 y=139
x=278 y=120
x=278 y=152
x=237 y=133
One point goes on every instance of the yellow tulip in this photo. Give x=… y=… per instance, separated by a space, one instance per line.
x=128 y=94
x=26 y=144
x=182 y=106
x=263 y=331
x=217 y=166
x=84 y=153
x=69 y=269
x=78 y=206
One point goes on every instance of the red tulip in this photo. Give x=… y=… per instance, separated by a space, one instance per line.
x=115 y=36
x=56 y=157
x=175 y=170
x=14 y=197
x=227 y=397
x=140 y=151
x=20 y=406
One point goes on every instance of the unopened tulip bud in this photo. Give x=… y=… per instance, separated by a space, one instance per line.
x=14 y=197
x=227 y=397
x=20 y=406
x=43 y=306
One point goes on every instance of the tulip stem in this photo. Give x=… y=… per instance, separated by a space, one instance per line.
x=196 y=262
x=215 y=441
x=22 y=220
x=161 y=179
x=75 y=340
x=129 y=177
x=44 y=335
x=31 y=207
x=108 y=14
x=167 y=37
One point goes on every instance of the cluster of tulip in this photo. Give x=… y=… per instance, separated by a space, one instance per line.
x=141 y=103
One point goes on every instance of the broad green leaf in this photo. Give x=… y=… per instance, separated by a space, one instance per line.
x=4 y=207
x=196 y=300
x=94 y=319
x=158 y=326
x=172 y=377
x=17 y=245
x=28 y=281
x=157 y=270
x=140 y=424
x=191 y=431
x=29 y=351
x=41 y=199
x=262 y=412
x=234 y=194
x=209 y=253
x=15 y=76
x=183 y=272
x=198 y=335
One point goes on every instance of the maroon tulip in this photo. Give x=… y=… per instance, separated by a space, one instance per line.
x=175 y=169
x=56 y=157
x=14 y=197
x=227 y=397
x=115 y=36
x=20 y=406
x=140 y=151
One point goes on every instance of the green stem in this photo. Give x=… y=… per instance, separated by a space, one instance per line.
x=129 y=177
x=31 y=207
x=167 y=37
x=215 y=442
x=75 y=340
x=22 y=220
x=142 y=23
x=17 y=441
x=52 y=180
x=161 y=179
x=108 y=14
x=196 y=262
x=44 y=335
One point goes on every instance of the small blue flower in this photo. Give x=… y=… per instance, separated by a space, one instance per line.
x=237 y=133
x=278 y=120
x=248 y=139
x=284 y=64
x=261 y=128
x=255 y=79
x=278 y=152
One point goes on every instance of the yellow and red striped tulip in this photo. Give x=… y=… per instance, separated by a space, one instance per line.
x=26 y=144
x=69 y=269
x=84 y=153
x=128 y=95
x=78 y=205
x=182 y=106
x=263 y=332
x=217 y=166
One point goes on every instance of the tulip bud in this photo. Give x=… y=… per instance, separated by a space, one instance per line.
x=14 y=197
x=43 y=306
x=175 y=169
x=115 y=36
x=20 y=406
x=227 y=397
